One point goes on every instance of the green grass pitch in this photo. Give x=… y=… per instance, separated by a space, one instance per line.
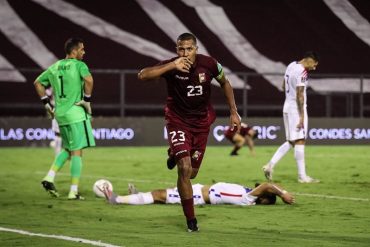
x=335 y=212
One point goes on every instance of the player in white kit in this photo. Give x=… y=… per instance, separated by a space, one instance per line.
x=295 y=116
x=218 y=193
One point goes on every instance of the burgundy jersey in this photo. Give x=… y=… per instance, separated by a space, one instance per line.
x=244 y=129
x=189 y=93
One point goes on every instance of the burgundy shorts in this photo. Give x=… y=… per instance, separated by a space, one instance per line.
x=185 y=142
x=229 y=134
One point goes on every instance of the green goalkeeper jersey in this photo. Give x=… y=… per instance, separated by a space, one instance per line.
x=66 y=79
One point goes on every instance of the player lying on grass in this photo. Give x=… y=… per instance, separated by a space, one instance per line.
x=218 y=193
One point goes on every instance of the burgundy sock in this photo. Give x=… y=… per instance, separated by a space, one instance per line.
x=188 y=208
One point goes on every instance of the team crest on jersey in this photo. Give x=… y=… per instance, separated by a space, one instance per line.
x=196 y=155
x=202 y=77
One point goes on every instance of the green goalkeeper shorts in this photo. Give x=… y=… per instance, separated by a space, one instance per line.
x=77 y=136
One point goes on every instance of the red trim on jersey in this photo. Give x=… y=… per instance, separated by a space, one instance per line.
x=304 y=73
x=227 y=194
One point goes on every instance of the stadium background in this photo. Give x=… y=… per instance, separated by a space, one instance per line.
x=254 y=41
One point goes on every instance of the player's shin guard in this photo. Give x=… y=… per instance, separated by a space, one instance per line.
x=188 y=208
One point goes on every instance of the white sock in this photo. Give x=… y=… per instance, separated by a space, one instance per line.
x=74 y=188
x=282 y=150
x=136 y=199
x=299 y=157
x=50 y=176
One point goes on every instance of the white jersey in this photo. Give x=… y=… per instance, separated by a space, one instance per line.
x=173 y=196
x=295 y=76
x=225 y=193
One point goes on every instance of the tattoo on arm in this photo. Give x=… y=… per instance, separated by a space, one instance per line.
x=300 y=100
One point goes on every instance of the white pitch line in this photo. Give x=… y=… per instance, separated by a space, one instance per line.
x=79 y=240
x=332 y=197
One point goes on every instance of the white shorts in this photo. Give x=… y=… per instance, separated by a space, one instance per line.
x=173 y=196
x=225 y=193
x=291 y=120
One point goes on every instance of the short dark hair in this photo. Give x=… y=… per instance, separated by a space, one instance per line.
x=312 y=54
x=266 y=199
x=71 y=44
x=187 y=36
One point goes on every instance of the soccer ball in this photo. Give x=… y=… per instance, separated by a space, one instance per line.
x=98 y=187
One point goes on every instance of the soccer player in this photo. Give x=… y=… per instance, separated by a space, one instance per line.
x=188 y=112
x=72 y=86
x=238 y=138
x=295 y=116
x=218 y=193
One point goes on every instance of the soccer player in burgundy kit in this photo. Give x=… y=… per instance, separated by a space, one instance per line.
x=188 y=112
x=246 y=134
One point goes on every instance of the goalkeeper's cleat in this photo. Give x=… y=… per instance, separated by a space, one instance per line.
x=132 y=189
x=109 y=195
x=50 y=188
x=75 y=196
x=171 y=162
x=267 y=170
x=308 y=180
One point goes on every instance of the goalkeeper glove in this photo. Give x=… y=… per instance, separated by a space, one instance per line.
x=48 y=106
x=85 y=103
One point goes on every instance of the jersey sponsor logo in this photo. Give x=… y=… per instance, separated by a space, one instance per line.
x=202 y=77
x=268 y=132
x=182 y=77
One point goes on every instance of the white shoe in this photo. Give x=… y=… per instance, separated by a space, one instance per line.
x=268 y=172
x=308 y=180
x=132 y=189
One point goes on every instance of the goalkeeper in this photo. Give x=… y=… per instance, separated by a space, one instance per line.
x=72 y=86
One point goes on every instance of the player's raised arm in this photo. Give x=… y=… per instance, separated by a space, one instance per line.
x=182 y=64
x=235 y=120
x=273 y=189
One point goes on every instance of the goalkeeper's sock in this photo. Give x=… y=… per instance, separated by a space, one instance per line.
x=58 y=163
x=76 y=168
